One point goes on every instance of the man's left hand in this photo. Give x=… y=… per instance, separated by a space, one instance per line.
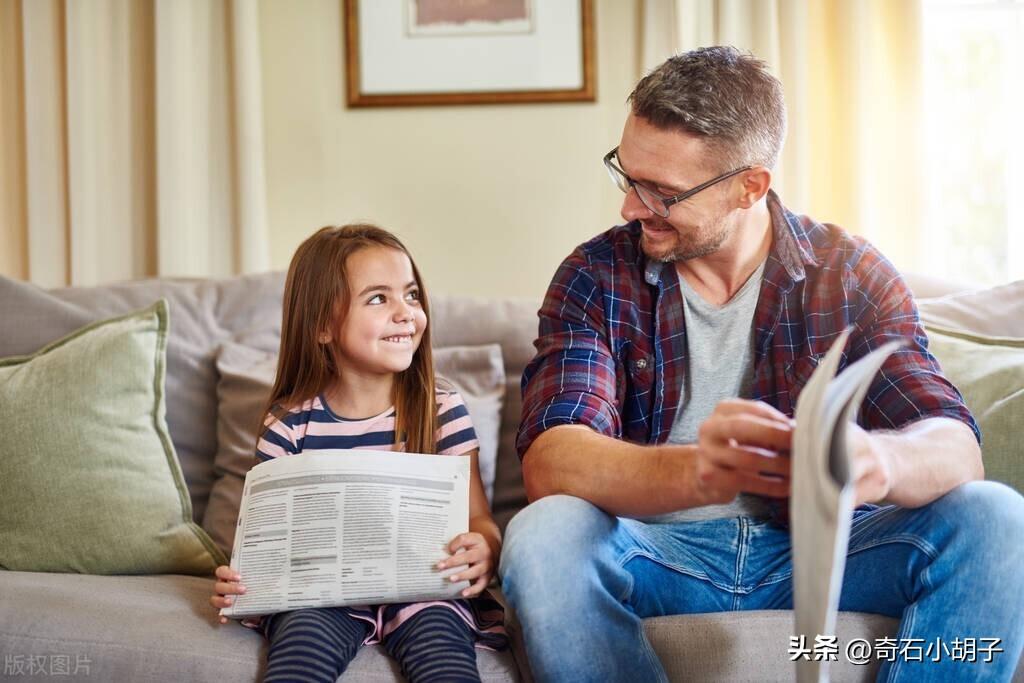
x=872 y=468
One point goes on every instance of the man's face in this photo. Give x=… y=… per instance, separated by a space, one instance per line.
x=671 y=162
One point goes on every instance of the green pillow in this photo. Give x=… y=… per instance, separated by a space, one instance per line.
x=89 y=481
x=989 y=371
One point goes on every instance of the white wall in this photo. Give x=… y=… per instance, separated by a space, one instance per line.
x=489 y=199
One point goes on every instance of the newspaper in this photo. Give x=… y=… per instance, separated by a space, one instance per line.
x=348 y=527
x=821 y=504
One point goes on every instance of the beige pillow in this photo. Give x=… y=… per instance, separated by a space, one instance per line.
x=246 y=377
x=89 y=481
x=993 y=312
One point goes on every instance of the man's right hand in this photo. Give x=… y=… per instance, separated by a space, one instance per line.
x=743 y=447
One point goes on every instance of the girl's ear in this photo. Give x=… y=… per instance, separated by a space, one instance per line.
x=324 y=338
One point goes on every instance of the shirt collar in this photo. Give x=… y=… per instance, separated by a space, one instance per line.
x=791 y=245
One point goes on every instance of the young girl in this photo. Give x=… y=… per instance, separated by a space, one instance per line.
x=355 y=371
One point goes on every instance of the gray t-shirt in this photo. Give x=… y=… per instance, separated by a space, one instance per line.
x=720 y=351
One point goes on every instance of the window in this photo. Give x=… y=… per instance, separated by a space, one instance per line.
x=974 y=127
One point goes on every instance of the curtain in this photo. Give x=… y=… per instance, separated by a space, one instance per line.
x=131 y=140
x=852 y=73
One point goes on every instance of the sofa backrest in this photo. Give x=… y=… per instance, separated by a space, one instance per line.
x=247 y=309
x=206 y=313
x=512 y=323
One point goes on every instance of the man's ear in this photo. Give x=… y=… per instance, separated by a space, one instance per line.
x=756 y=183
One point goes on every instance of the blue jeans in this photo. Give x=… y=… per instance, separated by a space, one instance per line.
x=581 y=580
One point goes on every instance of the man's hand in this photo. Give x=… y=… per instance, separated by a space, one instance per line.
x=872 y=470
x=743 y=447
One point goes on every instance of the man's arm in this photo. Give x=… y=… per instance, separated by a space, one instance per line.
x=921 y=440
x=631 y=480
x=622 y=478
x=915 y=465
x=570 y=432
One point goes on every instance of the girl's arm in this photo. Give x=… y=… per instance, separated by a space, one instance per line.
x=480 y=519
x=480 y=547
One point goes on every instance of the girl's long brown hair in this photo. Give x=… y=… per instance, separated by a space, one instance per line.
x=316 y=296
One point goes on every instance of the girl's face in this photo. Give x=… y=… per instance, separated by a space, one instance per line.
x=384 y=323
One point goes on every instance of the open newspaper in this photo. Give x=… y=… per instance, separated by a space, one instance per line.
x=348 y=527
x=821 y=504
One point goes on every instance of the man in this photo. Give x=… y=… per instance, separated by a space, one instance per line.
x=657 y=411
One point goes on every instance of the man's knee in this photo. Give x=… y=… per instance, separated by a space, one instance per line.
x=985 y=512
x=556 y=523
x=555 y=536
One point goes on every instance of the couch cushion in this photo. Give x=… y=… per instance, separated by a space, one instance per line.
x=993 y=312
x=752 y=646
x=89 y=481
x=478 y=374
x=154 y=628
x=247 y=309
x=978 y=336
x=989 y=371
x=512 y=323
x=247 y=376
x=924 y=286
x=204 y=313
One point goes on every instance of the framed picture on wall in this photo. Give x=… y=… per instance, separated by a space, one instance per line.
x=421 y=52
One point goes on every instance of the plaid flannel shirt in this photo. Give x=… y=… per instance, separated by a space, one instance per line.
x=612 y=352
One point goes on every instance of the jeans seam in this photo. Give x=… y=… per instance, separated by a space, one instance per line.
x=915 y=541
x=868 y=521
x=668 y=565
x=741 y=556
x=911 y=612
x=652 y=658
x=773 y=579
x=630 y=585
x=906 y=626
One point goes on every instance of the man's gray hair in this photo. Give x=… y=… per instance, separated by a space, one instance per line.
x=723 y=95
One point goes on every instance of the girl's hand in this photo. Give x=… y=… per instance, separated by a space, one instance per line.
x=470 y=548
x=226 y=586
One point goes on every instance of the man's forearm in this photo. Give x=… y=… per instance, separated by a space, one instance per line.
x=928 y=459
x=621 y=478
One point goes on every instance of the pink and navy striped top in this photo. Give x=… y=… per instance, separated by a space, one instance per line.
x=314 y=426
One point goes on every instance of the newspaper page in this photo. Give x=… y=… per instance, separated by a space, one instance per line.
x=348 y=527
x=821 y=504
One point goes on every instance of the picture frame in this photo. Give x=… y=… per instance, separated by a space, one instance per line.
x=446 y=52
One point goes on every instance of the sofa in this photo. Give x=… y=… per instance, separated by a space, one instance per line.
x=133 y=626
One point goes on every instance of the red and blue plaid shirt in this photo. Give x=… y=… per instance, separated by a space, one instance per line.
x=612 y=351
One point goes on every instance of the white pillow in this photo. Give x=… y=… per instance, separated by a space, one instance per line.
x=993 y=312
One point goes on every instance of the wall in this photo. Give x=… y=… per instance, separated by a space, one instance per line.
x=489 y=199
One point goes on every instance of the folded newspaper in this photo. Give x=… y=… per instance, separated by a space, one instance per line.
x=821 y=504
x=348 y=527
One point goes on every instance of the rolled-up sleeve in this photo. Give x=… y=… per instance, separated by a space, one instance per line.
x=572 y=377
x=910 y=385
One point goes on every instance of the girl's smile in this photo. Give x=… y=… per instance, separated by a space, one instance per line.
x=380 y=331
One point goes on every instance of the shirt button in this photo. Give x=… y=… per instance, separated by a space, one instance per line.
x=641 y=364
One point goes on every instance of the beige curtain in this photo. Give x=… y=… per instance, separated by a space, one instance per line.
x=853 y=78
x=131 y=140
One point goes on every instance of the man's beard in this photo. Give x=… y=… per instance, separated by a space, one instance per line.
x=689 y=245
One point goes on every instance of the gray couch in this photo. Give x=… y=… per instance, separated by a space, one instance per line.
x=161 y=628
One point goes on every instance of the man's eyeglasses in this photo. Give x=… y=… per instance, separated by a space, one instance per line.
x=653 y=200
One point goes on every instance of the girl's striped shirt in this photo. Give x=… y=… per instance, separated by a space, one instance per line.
x=314 y=426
